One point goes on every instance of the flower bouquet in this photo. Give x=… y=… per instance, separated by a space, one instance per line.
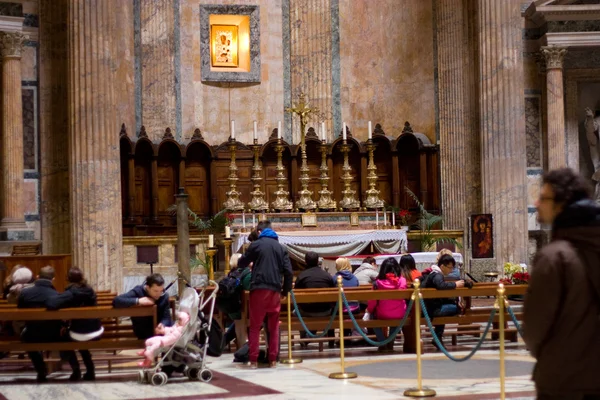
x=403 y=216
x=514 y=274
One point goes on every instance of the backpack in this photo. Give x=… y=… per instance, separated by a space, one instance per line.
x=230 y=289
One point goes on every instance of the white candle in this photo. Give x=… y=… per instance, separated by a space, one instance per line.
x=255 y=130
x=393 y=218
x=243 y=219
x=384 y=217
x=377 y=217
x=323 y=131
x=211 y=241
x=344 y=132
x=227 y=232
x=232 y=129
x=370 y=131
x=253 y=220
x=278 y=129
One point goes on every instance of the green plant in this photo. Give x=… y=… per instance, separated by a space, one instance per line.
x=196 y=261
x=425 y=223
x=214 y=224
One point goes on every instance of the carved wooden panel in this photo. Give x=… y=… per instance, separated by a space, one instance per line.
x=383 y=161
x=168 y=180
x=409 y=166
x=197 y=179
x=143 y=181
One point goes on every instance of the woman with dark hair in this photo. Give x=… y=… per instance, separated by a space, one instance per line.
x=79 y=294
x=389 y=279
x=408 y=268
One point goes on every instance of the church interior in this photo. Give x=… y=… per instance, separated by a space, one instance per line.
x=357 y=127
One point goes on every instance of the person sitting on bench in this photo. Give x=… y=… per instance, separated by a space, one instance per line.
x=435 y=279
x=148 y=294
x=49 y=331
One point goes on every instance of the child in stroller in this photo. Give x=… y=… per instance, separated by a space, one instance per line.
x=168 y=336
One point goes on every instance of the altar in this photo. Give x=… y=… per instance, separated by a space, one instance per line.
x=335 y=243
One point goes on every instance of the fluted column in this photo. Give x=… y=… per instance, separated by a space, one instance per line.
x=502 y=126
x=555 y=100
x=457 y=111
x=94 y=144
x=13 y=213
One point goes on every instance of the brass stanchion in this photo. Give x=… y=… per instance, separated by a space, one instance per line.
x=211 y=251
x=419 y=391
x=343 y=374
x=290 y=360
x=500 y=306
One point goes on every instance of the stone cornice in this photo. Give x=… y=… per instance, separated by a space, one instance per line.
x=554 y=56
x=572 y=39
x=541 y=13
x=11 y=24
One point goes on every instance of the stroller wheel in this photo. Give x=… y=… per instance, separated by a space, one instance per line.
x=159 y=379
x=193 y=373
x=141 y=376
x=206 y=375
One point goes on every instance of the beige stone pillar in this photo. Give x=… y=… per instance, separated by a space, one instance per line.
x=457 y=110
x=557 y=141
x=13 y=214
x=94 y=144
x=502 y=126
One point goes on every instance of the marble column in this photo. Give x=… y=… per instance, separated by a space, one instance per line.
x=96 y=229
x=556 y=138
x=502 y=126
x=13 y=225
x=457 y=102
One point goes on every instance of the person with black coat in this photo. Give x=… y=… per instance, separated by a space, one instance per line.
x=444 y=307
x=148 y=294
x=271 y=265
x=36 y=296
x=79 y=294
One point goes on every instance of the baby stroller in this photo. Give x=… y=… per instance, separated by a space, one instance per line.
x=186 y=355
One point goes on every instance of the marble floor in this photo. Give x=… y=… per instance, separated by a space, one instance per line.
x=380 y=376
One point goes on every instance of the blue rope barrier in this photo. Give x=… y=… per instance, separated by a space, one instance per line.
x=308 y=332
x=441 y=346
x=514 y=319
x=393 y=333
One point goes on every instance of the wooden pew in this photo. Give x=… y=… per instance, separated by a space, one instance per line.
x=358 y=294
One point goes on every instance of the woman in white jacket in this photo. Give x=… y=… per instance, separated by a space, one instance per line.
x=367 y=272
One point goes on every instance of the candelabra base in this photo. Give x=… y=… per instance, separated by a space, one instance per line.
x=349 y=202
x=373 y=200
x=305 y=203
x=281 y=202
x=258 y=203
x=233 y=204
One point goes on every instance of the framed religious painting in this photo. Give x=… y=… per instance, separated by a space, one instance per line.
x=482 y=236
x=224 y=49
x=309 y=219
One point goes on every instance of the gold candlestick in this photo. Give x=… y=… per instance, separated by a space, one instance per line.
x=211 y=251
x=373 y=200
x=281 y=202
x=233 y=201
x=227 y=243
x=325 y=200
x=258 y=202
x=349 y=200
x=303 y=110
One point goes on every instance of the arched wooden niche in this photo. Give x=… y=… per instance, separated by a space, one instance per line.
x=382 y=157
x=143 y=181
x=167 y=172
x=197 y=177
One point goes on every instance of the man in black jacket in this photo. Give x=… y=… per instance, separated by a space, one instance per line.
x=44 y=331
x=148 y=294
x=435 y=279
x=270 y=262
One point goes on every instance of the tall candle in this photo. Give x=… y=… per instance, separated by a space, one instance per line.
x=323 y=131
x=211 y=241
x=344 y=132
x=278 y=129
x=227 y=232
x=243 y=219
x=253 y=220
x=377 y=217
x=370 y=131
x=384 y=217
x=255 y=130
x=232 y=129
x=393 y=218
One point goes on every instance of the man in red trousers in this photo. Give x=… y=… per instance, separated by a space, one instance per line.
x=271 y=266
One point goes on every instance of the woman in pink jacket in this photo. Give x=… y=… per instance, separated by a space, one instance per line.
x=389 y=279
x=170 y=335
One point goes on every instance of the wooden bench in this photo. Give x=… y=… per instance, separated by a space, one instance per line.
x=108 y=341
x=464 y=322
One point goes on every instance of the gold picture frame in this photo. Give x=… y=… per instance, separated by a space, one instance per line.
x=224 y=46
x=309 y=219
x=354 y=219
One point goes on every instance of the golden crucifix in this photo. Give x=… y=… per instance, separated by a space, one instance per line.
x=305 y=202
x=302 y=110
